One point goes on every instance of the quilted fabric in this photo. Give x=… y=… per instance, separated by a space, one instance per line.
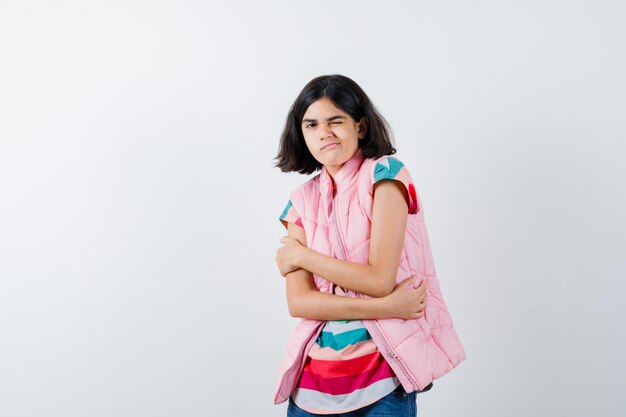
x=420 y=350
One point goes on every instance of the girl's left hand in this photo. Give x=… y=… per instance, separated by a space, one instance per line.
x=288 y=255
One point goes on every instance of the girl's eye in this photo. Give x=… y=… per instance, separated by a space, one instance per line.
x=310 y=125
x=335 y=122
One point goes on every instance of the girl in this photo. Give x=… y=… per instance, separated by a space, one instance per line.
x=355 y=251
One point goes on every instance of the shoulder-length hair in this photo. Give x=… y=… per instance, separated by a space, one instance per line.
x=293 y=154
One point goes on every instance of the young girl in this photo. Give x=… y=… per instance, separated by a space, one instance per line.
x=358 y=265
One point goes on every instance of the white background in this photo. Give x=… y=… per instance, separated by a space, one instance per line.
x=139 y=203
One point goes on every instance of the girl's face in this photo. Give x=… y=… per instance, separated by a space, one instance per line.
x=331 y=134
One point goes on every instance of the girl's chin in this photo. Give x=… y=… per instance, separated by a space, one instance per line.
x=332 y=160
x=334 y=163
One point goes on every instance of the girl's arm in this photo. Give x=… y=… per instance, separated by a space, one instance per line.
x=305 y=301
x=378 y=278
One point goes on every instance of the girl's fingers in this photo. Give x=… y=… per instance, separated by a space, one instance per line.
x=406 y=282
x=288 y=239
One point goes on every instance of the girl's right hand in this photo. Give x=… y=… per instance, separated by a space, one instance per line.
x=406 y=302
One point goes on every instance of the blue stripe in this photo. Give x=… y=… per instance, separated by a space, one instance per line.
x=382 y=172
x=340 y=341
x=286 y=210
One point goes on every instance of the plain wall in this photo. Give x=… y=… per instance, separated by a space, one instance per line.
x=139 y=203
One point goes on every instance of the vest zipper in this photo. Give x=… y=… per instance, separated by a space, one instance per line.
x=379 y=333
x=337 y=232
x=391 y=353
x=297 y=370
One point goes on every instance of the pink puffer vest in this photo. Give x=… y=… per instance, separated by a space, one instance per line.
x=419 y=350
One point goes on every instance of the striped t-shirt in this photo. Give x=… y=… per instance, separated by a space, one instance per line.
x=344 y=370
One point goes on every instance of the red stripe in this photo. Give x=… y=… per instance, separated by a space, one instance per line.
x=332 y=369
x=345 y=384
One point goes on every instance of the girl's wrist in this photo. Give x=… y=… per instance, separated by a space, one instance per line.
x=383 y=308
x=301 y=256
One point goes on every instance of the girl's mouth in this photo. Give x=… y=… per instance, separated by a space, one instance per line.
x=330 y=146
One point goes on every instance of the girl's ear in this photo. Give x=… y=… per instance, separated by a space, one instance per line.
x=362 y=127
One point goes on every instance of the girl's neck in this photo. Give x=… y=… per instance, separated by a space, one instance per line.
x=332 y=170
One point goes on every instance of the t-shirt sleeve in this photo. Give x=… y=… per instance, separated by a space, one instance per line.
x=290 y=215
x=390 y=168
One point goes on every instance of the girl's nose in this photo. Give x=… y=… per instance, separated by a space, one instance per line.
x=325 y=130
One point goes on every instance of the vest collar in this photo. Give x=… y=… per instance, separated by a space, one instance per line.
x=344 y=176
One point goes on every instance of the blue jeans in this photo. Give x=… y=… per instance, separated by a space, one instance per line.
x=396 y=404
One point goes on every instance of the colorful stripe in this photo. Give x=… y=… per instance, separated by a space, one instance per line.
x=332 y=369
x=390 y=168
x=387 y=168
x=286 y=210
x=344 y=371
x=321 y=403
x=341 y=340
x=344 y=384
x=336 y=327
x=349 y=352
x=290 y=215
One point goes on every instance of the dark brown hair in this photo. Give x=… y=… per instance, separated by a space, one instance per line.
x=293 y=154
